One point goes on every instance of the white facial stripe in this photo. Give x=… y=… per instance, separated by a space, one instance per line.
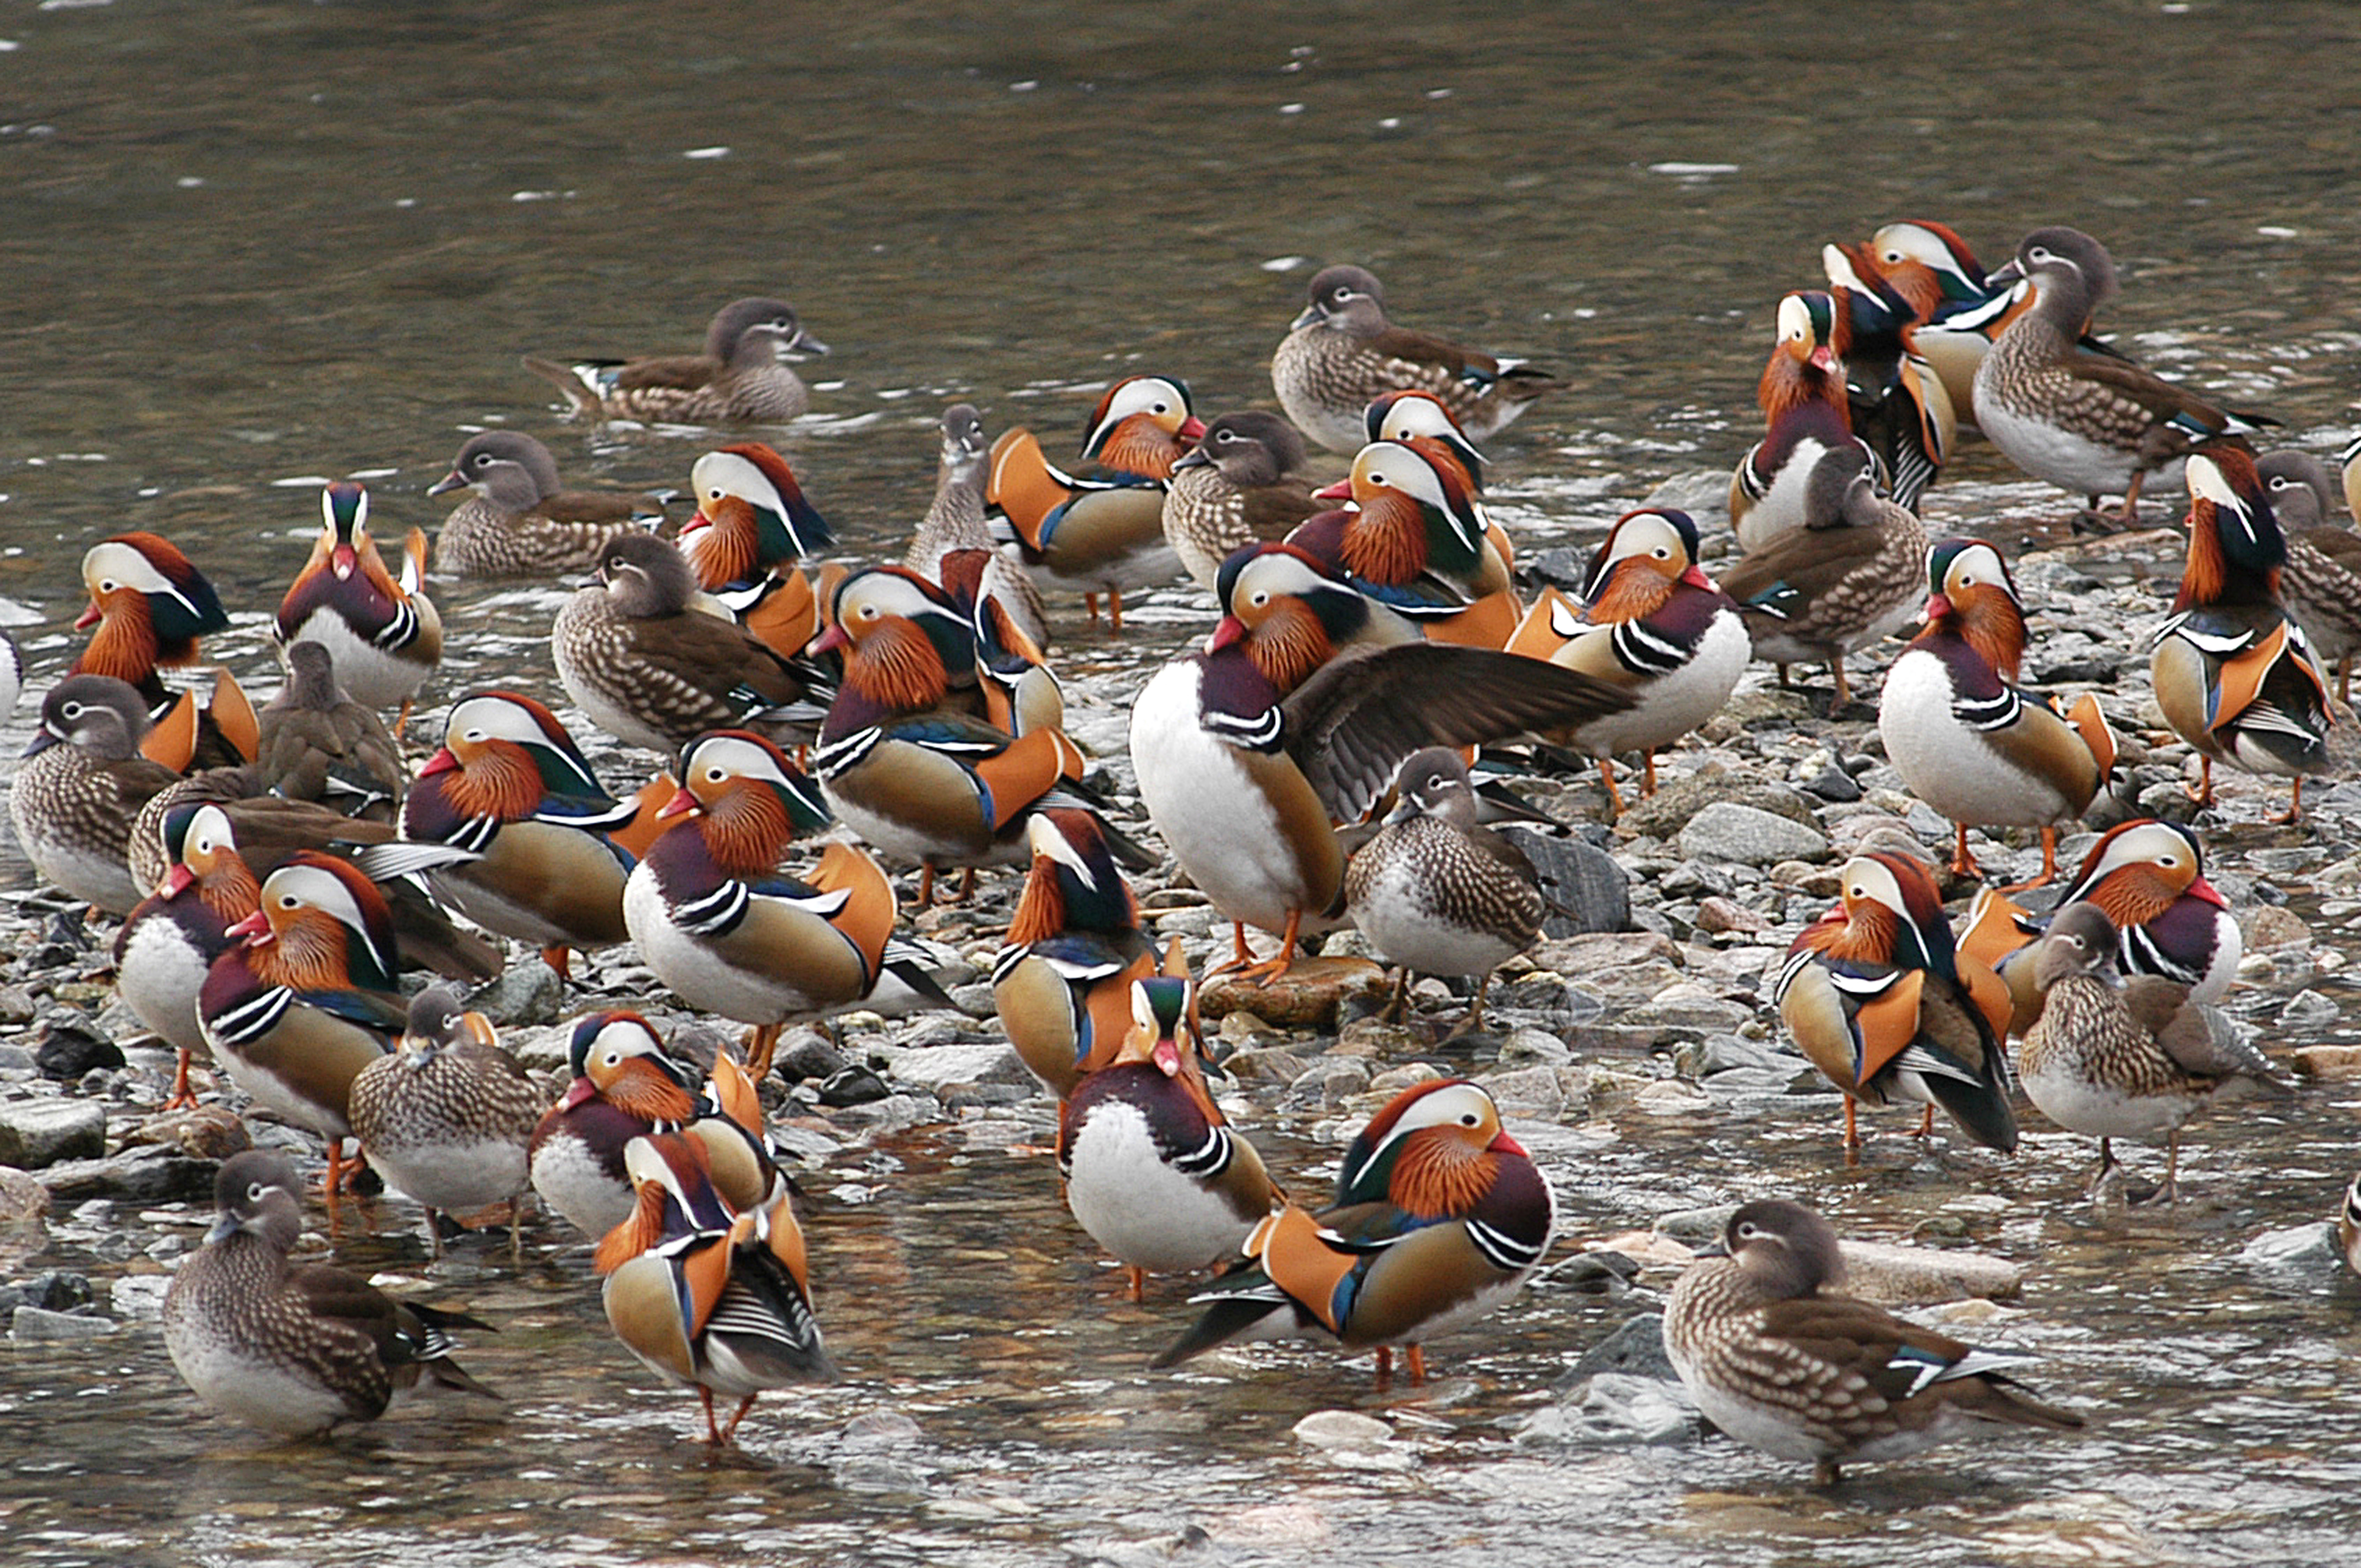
x=125 y=568
x=494 y=719
x=1417 y=416
x=1794 y=320
x=1046 y=839
x=889 y=594
x=1981 y=561
x=1642 y=535
x=1142 y=395
x=209 y=829
x=1873 y=882
x=1274 y=575
x=735 y=759
x=730 y=473
x=1400 y=469
x=319 y=889
x=1447 y=1108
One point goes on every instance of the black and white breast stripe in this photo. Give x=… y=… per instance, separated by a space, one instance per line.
x=2140 y=955
x=1510 y=1254
x=830 y=758
x=402 y=630
x=1209 y=1158
x=1997 y=711
x=716 y=913
x=253 y=1018
x=1644 y=653
x=1254 y=731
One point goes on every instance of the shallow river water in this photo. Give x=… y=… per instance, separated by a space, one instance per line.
x=250 y=247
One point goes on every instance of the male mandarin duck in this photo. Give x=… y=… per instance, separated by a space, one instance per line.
x=704 y=1293
x=1776 y=1357
x=521 y=520
x=510 y=784
x=2348 y=1226
x=1062 y=982
x=740 y=378
x=78 y=793
x=1416 y=538
x=2232 y=671
x=1402 y=414
x=1805 y=414
x=1340 y=352
x=1153 y=1171
x=1439 y=1216
x=2149 y=878
x=905 y=756
x=1241 y=483
x=626 y=1084
x=316 y=743
x=1651 y=624
x=1965 y=739
x=1020 y=691
x=2114 y=1057
x=1849 y=577
x=384 y=635
x=730 y=932
x=653 y=670
x=446 y=1118
x=1900 y=406
x=149 y=606
x=1435 y=892
x=170 y=940
x=293 y=1348
x=1295 y=716
x=1879 y=998
x=1958 y=310
x=306 y=997
x=753 y=525
x=1102 y=532
x=2085 y=421
x=2321 y=583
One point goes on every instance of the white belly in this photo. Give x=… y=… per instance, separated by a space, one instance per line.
x=2068 y=1098
x=571 y=1179
x=1949 y=766
x=158 y=979
x=2057 y=456
x=1393 y=913
x=455 y=1175
x=249 y=1388
x=1138 y=1208
x=373 y=677
x=1670 y=706
x=695 y=972
x=1782 y=509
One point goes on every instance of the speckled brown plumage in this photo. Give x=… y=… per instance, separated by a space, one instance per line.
x=521 y=520
x=738 y=379
x=1241 y=485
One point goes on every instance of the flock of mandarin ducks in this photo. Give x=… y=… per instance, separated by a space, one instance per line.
x=277 y=871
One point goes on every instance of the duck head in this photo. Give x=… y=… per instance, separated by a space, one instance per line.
x=1143 y=425
x=759 y=330
x=1346 y=298
x=750 y=802
x=1929 y=263
x=1890 y=911
x=2235 y=548
x=615 y=1056
x=751 y=517
x=502 y=753
x=150 y=604
x=101 y=714
x=321 y=925
x=256 y=1194
x=2081 y=941
x=1287 y=611
x=1645 y=556
x=507 y=467
x=1786 y=1249
x=1970 y=593
x=1405 y=412
x=1418 y=510
x=1433 y=1151
x=2136 y=871
x=1073 y=883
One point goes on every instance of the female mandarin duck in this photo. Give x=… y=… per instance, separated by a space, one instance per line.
x=509 y=785
x=1153 y=1171
x=730 y=932
x=2087 y=423
x=447 y=1117
x=307 y=997
x=1878 y=999
x=1241 y=483
x=2232 y=671
x=79 y=791
x=627 y=1084
x=1964 y=738
x=1651 y=624
x=385 y=637
x=1437 y=893
x=705 y=1294
x=521 y=520
x=1249 y=751
x=1778 y=1358
x=653 y=670
x=954 y=545
x=1439 y=1217
x=293 y=1348
x=1340 y=352
x=1900 y=407
x=2322 y=580
x=170 y=940
x=1805 y=414
x=2111 y=1057
x=149 y=606
x=1849 y=577
x=1101 y=534
x=740 y=378
x=315 y=743
x=1416 y=539
x=1062 y=982
x=2149 y=878
x=905 y=756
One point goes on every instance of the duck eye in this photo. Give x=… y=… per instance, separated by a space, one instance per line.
x=254 y=1191
x=1747 y=1231
x=108 y=585
x=1469 y=1120
x=713 y=775
x=1661 y=553
x=287 y=901
x=1376 y=478
x=1161 y=407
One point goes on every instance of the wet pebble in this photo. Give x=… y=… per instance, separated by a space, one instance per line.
x=34 y=1133
x=72 y=1044
x=1610 y=1407
x=1726 y=831
x=37 y=1323
x=2297 y=1247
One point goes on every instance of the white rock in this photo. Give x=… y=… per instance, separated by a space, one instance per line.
x=1342 y=1430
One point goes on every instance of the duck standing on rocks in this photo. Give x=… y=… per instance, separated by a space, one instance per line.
x=1416 y=538
x=654 y=671
x=1062 y=983
x=1878 y=999
x=521 y=520
x=385 y=638
x=2232 y=671
x=1440 y=1215
x=1243 y=483
x=295 y=1349
x=1964 y=738
x=169 y=943
x=2322 y=580
x=446 y=1118
x=2091 y=423
x=79 y=791
x=149 y=606
x=1153 y=1171
x=2111 y=1057
x=1341 y=353
x=1248 y=753
x=1806 y=415
x=953 y=540
x=1102 y=532
x=306 y=998
x=1849 y=577
x=509 y=785
x=1779 y=1360
x=318 y=744
x=1653 y=624
x=1434 y=892
x=705 y=1294
x=740 y=378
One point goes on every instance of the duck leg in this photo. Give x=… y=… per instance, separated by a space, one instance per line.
x=712 y=1428
x=1648 y=773
x=2294 y=811
x=1400 y=1002
x=2344 y=678
x=1414 y=1357
x=1925 y=1124
x=2169 y=1193
x=561 y=958
x=760 y=1047
x=182 y=1097
x=2204 y=794
x=730 y=1432
x=1090 y=603
x=1137 y=1279
x=1852 y=1135
x=1826 y=1474
x=1273 y=968
x=516 y=1230
x=2048 y=862
x=966 y=887
x=1385 y=1364
x=1844 y=692
x=925 y=899
x=1114 y=609
x=1614 y=796
x=1962 y=862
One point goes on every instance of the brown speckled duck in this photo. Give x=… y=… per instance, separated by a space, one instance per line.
x=2322 y=580
x=79 y=791
x=740 y=378
x=1243 y=484
x=522 y=521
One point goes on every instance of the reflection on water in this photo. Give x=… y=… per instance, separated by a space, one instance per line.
x=253 y=247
